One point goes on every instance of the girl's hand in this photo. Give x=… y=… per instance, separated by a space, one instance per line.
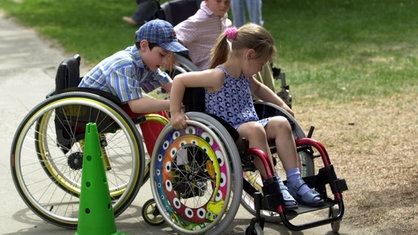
x=288 y=109
x=178 y=121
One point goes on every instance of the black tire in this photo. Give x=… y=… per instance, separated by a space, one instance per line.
x=46 y=150
x=197 y=177
x=151 y=214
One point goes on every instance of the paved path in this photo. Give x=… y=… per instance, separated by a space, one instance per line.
x=27 y=70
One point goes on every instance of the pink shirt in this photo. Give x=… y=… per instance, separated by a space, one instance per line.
x=199 y=33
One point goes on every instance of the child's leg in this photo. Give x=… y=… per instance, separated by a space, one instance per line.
x=278 y=128
x=256 y=136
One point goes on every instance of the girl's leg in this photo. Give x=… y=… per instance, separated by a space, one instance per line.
x=278 y=128
x=256 y=135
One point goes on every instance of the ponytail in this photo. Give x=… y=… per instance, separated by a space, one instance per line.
x=219 y=53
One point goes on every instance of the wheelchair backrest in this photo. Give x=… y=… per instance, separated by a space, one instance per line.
x=176 y=11
x=194 y=100
x=68 y=73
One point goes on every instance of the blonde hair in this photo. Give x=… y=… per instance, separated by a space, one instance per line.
x=248 y=36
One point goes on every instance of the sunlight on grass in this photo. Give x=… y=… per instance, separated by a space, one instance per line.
x=330 y=50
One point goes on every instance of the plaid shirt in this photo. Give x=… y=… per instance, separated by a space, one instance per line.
x=124 y=75
x=199 y=33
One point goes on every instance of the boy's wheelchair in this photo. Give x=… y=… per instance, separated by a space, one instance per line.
x=47 y=149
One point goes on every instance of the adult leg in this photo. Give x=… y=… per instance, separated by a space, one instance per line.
x=255 y=11
x=238 y=12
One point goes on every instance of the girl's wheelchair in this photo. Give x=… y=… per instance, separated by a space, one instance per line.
x=200 y=175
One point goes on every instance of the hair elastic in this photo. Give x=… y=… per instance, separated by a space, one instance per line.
x=231 y=33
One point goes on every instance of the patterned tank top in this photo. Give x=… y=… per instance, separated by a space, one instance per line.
x=233 y=102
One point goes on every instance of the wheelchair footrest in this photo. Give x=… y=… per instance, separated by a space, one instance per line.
x=306 y=209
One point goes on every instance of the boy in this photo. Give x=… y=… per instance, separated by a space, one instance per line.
x=127 y=73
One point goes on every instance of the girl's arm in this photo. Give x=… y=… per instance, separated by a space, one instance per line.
x=266 y=94
x=208 y=79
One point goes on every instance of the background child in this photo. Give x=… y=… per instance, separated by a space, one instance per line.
x=127 y=73
x=200 y=31
x=228 y=86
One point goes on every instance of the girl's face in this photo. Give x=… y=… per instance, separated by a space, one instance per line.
x=252 y=63
x=155 y=57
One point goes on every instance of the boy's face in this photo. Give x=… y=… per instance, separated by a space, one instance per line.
x=219 y=7
x=155 y=57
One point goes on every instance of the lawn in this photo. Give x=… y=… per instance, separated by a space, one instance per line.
x=331 y=50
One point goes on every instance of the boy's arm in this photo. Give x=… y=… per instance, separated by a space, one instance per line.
x=148 y=105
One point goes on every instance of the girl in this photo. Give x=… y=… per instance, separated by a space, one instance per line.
x=229 y=83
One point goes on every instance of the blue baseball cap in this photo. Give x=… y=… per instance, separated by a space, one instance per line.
x=160 y=32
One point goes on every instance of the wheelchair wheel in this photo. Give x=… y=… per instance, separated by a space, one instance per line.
x=47 y=155
x=151 y=127
x=185 y=64
x=196 y=176
x=265 y=109
x=335 y=226
x=255 y=230
x=151 y=214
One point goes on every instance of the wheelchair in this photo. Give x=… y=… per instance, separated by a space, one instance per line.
x=202 y=174
x=47 y=149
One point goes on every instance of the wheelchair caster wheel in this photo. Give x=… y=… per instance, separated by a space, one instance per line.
x=151 y=214
x=254 y=230
x=333 y=212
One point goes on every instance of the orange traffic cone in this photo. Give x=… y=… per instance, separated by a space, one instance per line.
x=95 y=212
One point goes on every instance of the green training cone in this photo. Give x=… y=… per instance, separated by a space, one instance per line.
x=95 y=214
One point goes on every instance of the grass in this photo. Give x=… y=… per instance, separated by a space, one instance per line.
x=331 y=50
